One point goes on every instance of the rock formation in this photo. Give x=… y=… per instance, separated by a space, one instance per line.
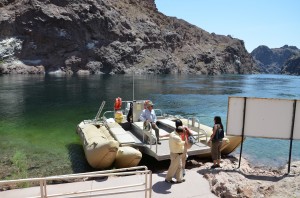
x=249 y=181
x=277 y=60
x=292 y=66
x=110 y=36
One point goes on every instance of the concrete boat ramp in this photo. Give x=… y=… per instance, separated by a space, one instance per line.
x=134 y=183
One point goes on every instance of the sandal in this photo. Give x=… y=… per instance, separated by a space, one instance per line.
x=214 y=166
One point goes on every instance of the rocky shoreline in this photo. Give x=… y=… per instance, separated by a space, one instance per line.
x=249 y=181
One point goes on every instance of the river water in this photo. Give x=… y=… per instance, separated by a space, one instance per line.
x=39 y=114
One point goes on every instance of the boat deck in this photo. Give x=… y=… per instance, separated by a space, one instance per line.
x=162 y=151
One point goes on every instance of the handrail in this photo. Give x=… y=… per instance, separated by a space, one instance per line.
x=161 y=112
x=99 y=111
x=150 y=136
x=118 y=189
x=205 y=134
x=106 y=113
x=193 y=121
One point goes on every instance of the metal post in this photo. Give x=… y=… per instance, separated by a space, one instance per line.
x=42 y=188
x=150 y=185
x=292 y=135
x=244 y=116
x=133 y=86
x=45 y=188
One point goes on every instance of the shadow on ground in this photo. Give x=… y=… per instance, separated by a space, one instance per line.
x=77 y=157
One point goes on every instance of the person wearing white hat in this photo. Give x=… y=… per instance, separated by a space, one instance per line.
x=148 y=114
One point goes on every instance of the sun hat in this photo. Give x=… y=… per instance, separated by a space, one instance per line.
x=149 y=104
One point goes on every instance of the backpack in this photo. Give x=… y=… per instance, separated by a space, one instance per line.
x=192 y=139
x=219 y=134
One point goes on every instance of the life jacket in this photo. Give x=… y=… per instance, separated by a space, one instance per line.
x=118 y=103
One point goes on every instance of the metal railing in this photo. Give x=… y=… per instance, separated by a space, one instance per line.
x=105 y=117
x=145 y=186
x=99 y=111
x=194 y=120
x=159 y=112
x=148 y=133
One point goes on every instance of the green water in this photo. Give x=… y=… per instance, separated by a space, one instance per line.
x=39 y=114
x=39 y=117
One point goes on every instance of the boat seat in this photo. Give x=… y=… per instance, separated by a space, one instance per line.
x=162 y=133
x=122 y=136
x=113 y=125
x=168 y=123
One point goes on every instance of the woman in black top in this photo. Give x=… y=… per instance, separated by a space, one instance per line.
x=216 y=142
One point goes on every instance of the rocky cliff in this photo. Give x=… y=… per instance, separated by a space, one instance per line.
x=292 y=66
x=277 y=60
x=110 y=36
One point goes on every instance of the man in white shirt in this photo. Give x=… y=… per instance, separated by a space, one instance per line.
x=148 y=114
x=176 y=145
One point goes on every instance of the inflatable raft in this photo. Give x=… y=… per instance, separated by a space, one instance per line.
x=101 y=149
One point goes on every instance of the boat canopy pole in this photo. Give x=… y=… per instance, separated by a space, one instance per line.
x=292 y=135
x=132 y=86
x=244 y=116
x=100 y=110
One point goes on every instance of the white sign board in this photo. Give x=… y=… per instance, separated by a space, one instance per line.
x=235 y=116
x=297 y=122
x=269 y=118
